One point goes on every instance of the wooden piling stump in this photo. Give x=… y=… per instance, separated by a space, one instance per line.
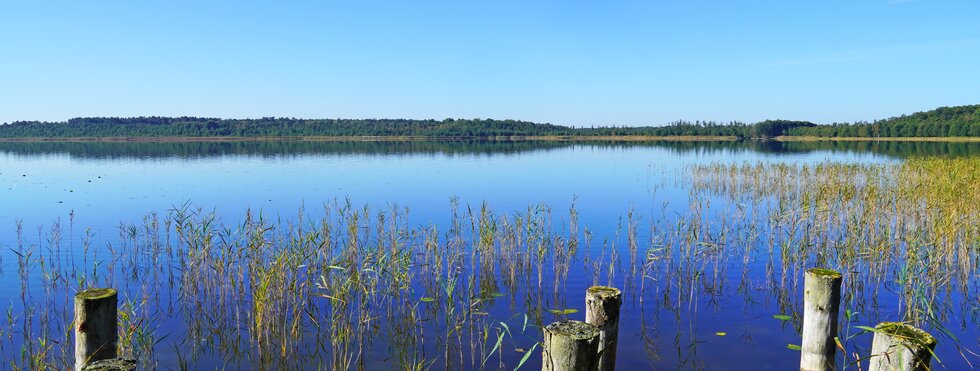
x=821 y=304
x=570 y=345
x=96 y=329
x=602 y=305
x=901 y=347
x=114 y=364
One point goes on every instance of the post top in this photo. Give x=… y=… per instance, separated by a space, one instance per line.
x=821 y=272
x=604 y=291
x=112 y=364
x=97 y=293
x=577 y=330
x=907 y=334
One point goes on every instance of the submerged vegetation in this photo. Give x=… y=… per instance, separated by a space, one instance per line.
x=361 y=287
x=962 y=121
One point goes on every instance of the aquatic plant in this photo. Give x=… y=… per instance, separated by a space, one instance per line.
x=362 y=287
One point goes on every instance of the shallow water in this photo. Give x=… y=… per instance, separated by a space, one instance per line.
x=104 y=183
x=95 y=187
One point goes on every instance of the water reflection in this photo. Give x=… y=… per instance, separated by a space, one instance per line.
x=699 y=250
x=467 y=147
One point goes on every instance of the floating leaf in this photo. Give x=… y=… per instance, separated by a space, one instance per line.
x=793 y=347
x=782 y=317
x=563 y=311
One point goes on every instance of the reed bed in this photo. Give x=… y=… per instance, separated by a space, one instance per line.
x=365 y=288
x=913 y=223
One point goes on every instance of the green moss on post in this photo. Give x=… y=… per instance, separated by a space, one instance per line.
x=95 y=294
x=820 y=272
x=821 y=304
x=898 y=346
x=570 y=345
x=115 y=364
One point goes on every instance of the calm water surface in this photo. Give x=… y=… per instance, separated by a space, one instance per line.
x=104 y=183
x=100 y=185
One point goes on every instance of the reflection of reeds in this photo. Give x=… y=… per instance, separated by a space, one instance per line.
x=915 y=223
x=360 y=287
x=910 y=227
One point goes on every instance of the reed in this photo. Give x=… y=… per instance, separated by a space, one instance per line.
x=360 y=287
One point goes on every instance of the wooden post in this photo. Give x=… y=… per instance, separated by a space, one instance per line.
x=821 y=303
x=897 y=346
x=95 y=326
x=570 y=345
x=602 y=305
x=115 y=364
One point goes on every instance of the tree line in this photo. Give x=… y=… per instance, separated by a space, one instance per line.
x=291 y=127
x=959 y=121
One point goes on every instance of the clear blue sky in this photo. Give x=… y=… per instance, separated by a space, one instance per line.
x=572 y=62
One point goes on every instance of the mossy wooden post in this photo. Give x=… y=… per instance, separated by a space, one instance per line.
x=900 y=347
x=115 y=364
x=570 y=345
x=602 y=310
x=95 y=326
x=821 y=304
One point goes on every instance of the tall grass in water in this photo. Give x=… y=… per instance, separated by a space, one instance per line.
x=912 y=228
x=875 y=220
x=363 y=288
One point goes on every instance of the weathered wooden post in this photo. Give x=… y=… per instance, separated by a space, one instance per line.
x=115 y=364
x=900 y=347
x=95 y=326
x=570 y=345
x=602 y=305
x=821 y=303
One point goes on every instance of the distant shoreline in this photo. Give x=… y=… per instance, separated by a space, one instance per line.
x=874 y=139
x=545 y=138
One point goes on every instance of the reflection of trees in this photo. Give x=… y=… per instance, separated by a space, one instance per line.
x=896 y=149
x=272 y=148
x=465 y=147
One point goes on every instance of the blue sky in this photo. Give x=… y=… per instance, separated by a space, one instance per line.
x=573 y=62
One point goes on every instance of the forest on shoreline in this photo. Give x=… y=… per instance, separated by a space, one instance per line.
x=960 y=121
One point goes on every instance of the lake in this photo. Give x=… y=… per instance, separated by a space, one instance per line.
x=453 y=254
